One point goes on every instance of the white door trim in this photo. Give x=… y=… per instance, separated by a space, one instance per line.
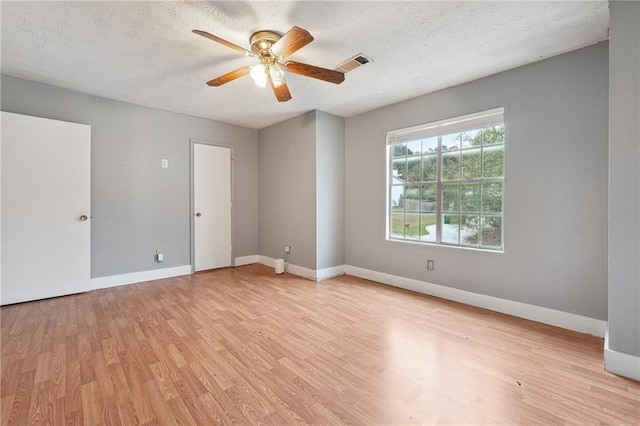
x=192 y=142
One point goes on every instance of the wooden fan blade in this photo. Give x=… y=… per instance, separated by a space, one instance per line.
x=312 y=71
x=223 y=42
x=282 y=92
x=295 y=39
x=230 y=76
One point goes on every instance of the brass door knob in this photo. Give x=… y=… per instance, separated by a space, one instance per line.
x=84 y=217
x=198 y=214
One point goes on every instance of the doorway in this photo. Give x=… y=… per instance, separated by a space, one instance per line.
x=212 y=206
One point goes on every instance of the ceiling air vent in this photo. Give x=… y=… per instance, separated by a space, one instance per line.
x=353 y=63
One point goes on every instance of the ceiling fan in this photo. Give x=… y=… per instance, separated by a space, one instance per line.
x=270 y=48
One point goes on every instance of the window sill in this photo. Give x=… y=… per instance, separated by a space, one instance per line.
x=446 y=246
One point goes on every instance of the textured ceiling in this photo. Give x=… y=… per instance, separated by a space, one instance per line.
x=146 y=54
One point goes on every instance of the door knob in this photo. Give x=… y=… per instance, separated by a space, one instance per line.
x=198 y=214
x=84 y=217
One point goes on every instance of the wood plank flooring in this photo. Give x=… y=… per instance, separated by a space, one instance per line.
x=246 y=346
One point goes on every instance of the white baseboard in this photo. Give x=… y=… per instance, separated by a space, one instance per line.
x=266 y=261
x=246 y=260
x=138 y=277
x=326 y=273
x=301 y=271
x=553 y=317
x=620 y=363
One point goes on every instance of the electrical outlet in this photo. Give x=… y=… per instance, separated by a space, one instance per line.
x=287 y=249
x=159 y=255
x=430 y=265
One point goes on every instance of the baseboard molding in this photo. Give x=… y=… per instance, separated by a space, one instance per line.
x=553 y=317
x=266 y=261
x=620 y=363
x=326 y=273
x=138 y=277
x=245 y=260
x=301 y=271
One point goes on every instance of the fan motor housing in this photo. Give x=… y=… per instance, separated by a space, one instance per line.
x=263 y=40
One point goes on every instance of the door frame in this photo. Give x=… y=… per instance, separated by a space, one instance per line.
x=192 y=142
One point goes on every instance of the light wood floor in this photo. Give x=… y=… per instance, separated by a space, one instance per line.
x=247 y=346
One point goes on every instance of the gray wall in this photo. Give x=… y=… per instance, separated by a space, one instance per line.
x=624 y=178
x=301 y=189
x=137 y=206
x=330 y=190
x=287 y=188
x=555 y=186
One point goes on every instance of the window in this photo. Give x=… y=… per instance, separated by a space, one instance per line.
x=446 y=180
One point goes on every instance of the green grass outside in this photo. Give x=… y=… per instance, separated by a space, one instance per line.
x=415 y=229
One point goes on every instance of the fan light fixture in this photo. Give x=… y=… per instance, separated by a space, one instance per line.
x=259 y=75
x=277 y=76
x=270 y=48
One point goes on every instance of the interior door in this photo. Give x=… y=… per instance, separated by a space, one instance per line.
x=46 y=200
x=212 y=206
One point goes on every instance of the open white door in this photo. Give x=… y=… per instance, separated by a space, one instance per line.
x=212 y=206
x=46 y=200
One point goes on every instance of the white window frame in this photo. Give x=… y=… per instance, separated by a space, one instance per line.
x=437 y=129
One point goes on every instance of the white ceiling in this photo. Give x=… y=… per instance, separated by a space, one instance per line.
x=146 y=54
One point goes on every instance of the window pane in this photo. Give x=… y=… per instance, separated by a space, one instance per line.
x=471 y=138
x=397 y=196
x=450 y=229
x=451 y=142
x=451 y=165
x=412 y=226
x=412 y=198
x=397 y=224
x=470 y=197
x=428 y=199
x=430 y=168
x=493 y=161
x=414 y=147
x=414 y=169
x=469 y=229
x=450 y=197
x=399 y=167
x=493 y=135
x=428 y=227
x=491 y=231
x=429 y=145
x=471 y=164
x=492 y=197
x=399 y=150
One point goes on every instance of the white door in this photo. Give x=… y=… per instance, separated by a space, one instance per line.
x=212 y=206
x=46 y=200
